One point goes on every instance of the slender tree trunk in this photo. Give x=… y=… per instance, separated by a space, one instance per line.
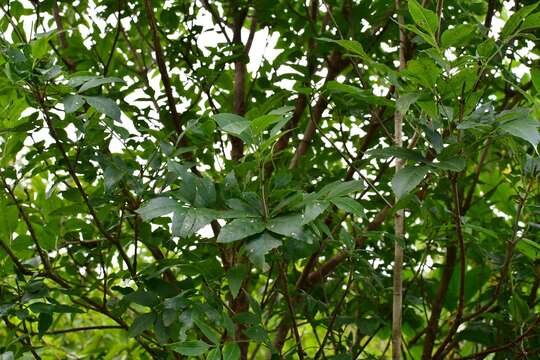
x=399 y=216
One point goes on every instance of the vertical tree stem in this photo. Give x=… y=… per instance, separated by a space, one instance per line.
x=399 y=216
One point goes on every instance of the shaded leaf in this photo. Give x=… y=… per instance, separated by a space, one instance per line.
x=407 y=179
x=190 y=348
x=455 y=164
x=231 y=351
x=236 y=276
x=289 y=225
x=105 y=106
x=457 y=35
x=73 y=103
x=239 y=229
x=157 y=207
x=257 y=249
x=424 y=18
x=141 y=323
x=349 y=205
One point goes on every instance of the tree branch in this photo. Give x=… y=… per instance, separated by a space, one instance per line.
x=160 y=59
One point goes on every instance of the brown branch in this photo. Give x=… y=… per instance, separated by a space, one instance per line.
x=461 y=301
x=14 y=259
x=399 y=216
x=239 y=97
x=160 y=59
x=113 y=47
x=217 y=19
x=507 y=259
x=61 y=35
x=251 y=36
x=335 y=65
x=288 y=300
x=468 y=199
x=484 y=353
x=80 y=188
x=439 y=9
x=84 y=328
x=334 y=315
x=489 y=14
x=42 y=254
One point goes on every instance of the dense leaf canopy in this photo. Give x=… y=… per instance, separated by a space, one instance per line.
x=227 y=179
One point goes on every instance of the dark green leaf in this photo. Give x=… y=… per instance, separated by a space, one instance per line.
x=44 y=323
x=105 y=106
x=157 y=207
x=190 y=348
x=349 y=205
x=210 y=333
x=257 y=249
x=455 y=164
x=141 y=323
x=424 y=18
x=72 y=103
x=236 y=276
x=407 y=179
x=240 y=229
x=231 y=351
x=457 y=36
x=289 y=225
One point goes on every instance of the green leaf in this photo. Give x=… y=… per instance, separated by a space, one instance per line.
x=487 y=48
x=73 y=103
x=314 y=209
x=529 y=248
x=234 y=124
x=454 y=164
x=353 y=46
x=515 y=20
x=349 y=205
x=157 y=207
x=289 y=225
x=360 y=94
x=92 y=83
x=399 y=152
x=190 y=348
x=535 y=77
x=424 y=18
x=257 y=249
x=523 y=127
x=142 y=297
x=341 y=188
x=258 y=125
x=425 y=71
x=429 y=39
x=239 y=229
x=236 y=276
x=112 y=175
x=404 y=101
x=231 y=351
x=40 y=47
x=187 y=221
x=105 y=106
x=141 y=323
x=407 y=179
x=257 y=334
x=210 y=333
x=518 y=308
x=45 y=321
x=214 y=354
x=531 y=22
x=457 y=36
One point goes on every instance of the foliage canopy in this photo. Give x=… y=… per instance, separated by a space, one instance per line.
x=215 y=179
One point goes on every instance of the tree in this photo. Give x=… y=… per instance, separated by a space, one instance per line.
x=251 y=179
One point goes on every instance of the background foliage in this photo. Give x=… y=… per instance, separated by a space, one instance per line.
x=215 y=179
